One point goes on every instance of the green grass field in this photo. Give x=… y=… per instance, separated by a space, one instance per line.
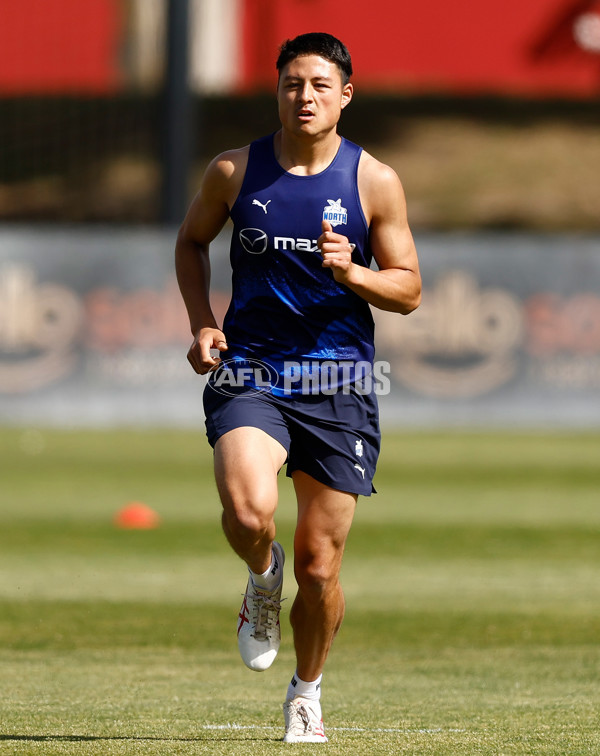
x=472 y=582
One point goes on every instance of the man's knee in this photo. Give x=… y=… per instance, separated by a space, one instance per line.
x=248 y=515
x=316 y=570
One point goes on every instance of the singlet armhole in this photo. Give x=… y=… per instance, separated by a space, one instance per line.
x=357 y=193
x=244 y=180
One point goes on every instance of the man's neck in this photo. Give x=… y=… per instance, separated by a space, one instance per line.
x=305 y=155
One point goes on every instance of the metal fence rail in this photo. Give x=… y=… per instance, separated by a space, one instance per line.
x=93 y=331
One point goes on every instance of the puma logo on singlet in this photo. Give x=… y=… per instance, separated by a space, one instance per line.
x=260 y=204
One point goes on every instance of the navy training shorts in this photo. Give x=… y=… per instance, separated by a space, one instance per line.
x=333 y=438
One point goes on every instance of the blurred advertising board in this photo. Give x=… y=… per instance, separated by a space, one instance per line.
x=93 y=331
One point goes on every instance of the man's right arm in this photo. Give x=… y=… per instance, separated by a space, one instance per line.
x=206 y=216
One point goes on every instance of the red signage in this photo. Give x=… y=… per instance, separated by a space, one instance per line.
x=59 y=47
x=538 y=47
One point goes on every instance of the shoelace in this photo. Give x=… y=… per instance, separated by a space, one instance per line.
x=300 y=720
x=266 y=610
x=304 y=716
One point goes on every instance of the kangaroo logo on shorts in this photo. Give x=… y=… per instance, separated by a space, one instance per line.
x=335 y=213
x=253 y=240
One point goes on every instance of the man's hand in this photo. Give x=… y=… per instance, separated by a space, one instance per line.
x=199 y=355
x=337 y=253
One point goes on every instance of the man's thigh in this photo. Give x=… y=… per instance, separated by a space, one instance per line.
x=251 y=442
x=245 y=455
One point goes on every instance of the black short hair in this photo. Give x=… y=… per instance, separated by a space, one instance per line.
x=317 y=43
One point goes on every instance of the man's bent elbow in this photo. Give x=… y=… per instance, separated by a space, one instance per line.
x=410 y=301
x=414 y=302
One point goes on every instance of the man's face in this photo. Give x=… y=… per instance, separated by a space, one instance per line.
x=311 y=95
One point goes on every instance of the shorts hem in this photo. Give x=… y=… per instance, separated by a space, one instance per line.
x=326 y=480
x=215 y=435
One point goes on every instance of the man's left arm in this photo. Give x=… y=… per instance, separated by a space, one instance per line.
x=396 y=286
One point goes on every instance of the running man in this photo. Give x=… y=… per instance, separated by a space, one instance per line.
x=292 y=382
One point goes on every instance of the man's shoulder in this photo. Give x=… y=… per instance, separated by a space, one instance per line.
x=374 y=170
x=230 y=162
x=225 y=173
x=379 y=187
x=237 y=158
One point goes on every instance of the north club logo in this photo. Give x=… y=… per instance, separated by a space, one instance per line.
x=253 y=240
x=335 y=213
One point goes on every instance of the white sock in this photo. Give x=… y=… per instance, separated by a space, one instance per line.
x=270 y=579
x=310 y=690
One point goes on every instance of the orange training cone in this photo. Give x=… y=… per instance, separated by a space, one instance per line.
x=137 y=516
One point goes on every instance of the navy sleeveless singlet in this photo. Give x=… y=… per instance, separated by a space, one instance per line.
x=286 y=309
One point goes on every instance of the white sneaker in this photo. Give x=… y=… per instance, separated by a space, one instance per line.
x=259 y=633
x=303 y=721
